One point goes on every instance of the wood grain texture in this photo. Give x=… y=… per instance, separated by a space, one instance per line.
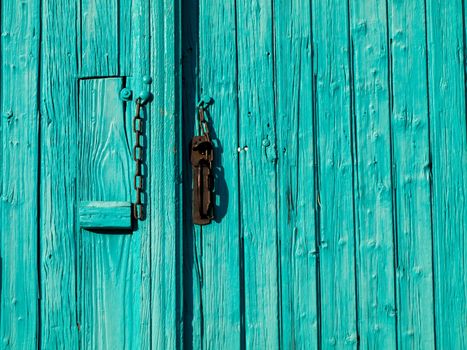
x=164 y=181
x=373 y=177
x=99 y=38
x=446 y=66
x=295 y=197
x=340 y=136
x=193 y=326
x=258 y=181
x=411 y=174
x=334 y=126
x=134 y=61
x=109 y=279
x=58 y=197
x=19 y=290
x=220 y=261
x=334 y=142
x=105 y=215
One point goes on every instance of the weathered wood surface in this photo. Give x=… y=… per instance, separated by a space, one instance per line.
x=348 y=85
x=164 y=171
x=333 y=125
x=220 y=295
x=19 y=177
x=105 y=214
x=258 y=224
x=59 y=156
x=373 y=191
x=296 y=195
x=447 y=49
x=108 y=269
x=411 y=175
x=341 y=160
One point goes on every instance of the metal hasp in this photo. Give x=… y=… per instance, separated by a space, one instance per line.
x=201 y=150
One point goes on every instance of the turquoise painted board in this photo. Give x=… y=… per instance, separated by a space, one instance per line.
x=340 y=144
x=220 y=261
x=19 y=185
x=448 y=150
x=411 y=175
x=295 y=196
x=333 y=125
x=373 y=192
x=58 y=153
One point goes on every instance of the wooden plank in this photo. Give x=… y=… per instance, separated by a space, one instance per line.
x=220 y=241
x=164 y=180
x=296 y=192
x=105 y=215
x=99 y=38
x=109 y=283
x=258 y=219
x=193 y=322
x=374 y=188
x=446 y=64
x=135 y=63
x=335 y=153
x=410 y=139
x=59 y=106
x=19 y=125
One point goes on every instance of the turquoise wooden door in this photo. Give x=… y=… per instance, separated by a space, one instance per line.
x=340 y=162
x=67 y=140
x=341 y=147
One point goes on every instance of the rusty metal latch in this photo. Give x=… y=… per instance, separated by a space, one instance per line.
x=201 y=155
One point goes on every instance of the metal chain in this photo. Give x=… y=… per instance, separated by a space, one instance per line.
x=138 y=154
x=202 y=123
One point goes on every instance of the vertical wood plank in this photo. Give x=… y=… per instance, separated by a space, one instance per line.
x=333 y=124
x=99 y=38
x=193 y=329
x=411 y=152
x=374 y=203
x=165 y=176
x=110 y=270
x=295 y=196
x=134 y=59
x=258 y=217
x=446 y=64
x=220 y=241
x=59 y=107
x=19 y=74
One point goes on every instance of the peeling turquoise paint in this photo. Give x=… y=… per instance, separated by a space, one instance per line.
x=340 y=138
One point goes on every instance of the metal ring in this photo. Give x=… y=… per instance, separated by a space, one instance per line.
x=138 y=211
x=140 y=124
x=138 y=183
x=137 y=152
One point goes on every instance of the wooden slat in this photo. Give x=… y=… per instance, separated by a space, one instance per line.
x=105 y=215
x=193 y=327
x=99 y=38
x=164 y=152
x=109 y=281
x=333 y=125
x=295 y=196
x=256 y=100
x=410 y=134
x=59 y=106
x=373 y=181
x=220 y=241
x=134 y=64
x=19 y=74
x=446 y=64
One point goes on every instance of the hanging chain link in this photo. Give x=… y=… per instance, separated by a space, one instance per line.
x=138 y=154
x=202 y=123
